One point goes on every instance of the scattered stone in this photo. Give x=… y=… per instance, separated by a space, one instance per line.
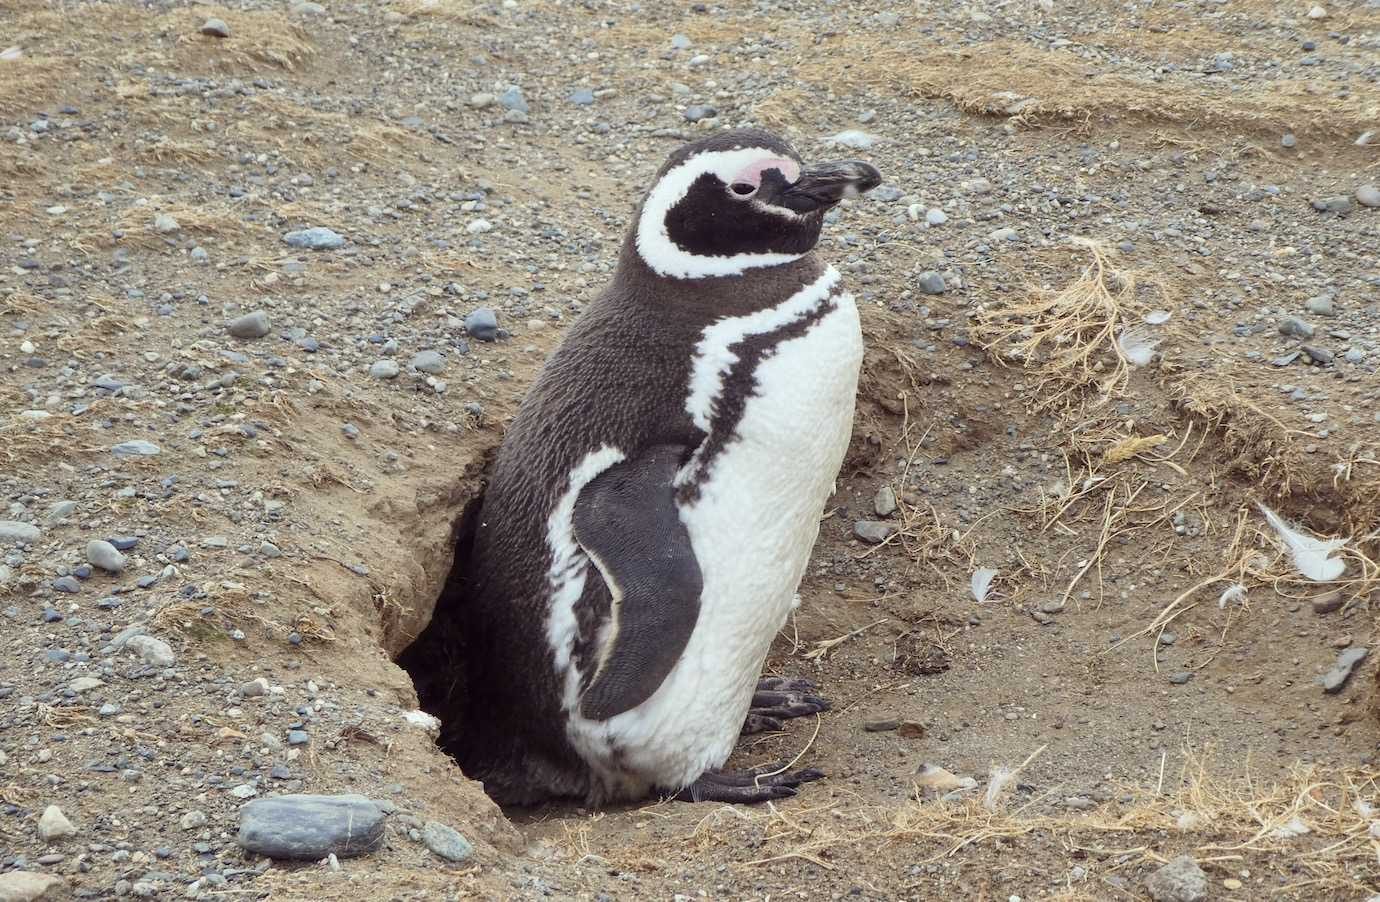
x=1292 y=325
x=1328 y=602
x=1336 y=678
x=935 y=216
x=482 y=324
x=697 y=113
x=384 y=369
x=445 y=842
x=581 y=97
x=215 y=28
x=84 y=684
x=53 y=824
x=317 y=238
x=1004 y=234
x=28 y=886
x=154 y=651
x=1181 y=880
x=1338 y=203
x=12 y=531
x=1320 y=356
x=192 y=820
x=874 y=532
x=1079 y=803
x=308 y=8
x=310 y=827
x=251 y=325
x=165 y=224
x=100 y=553
x=479 y=227
x=885 y=501
x=1180 y=678
x=931 y=282
x=136 y=448
x=1368 y=196
x=881 y=726
x=512 y=99
x=244 y=791
x=254 y=688
x=1321 y=305
x=67 y=584
x=433 y=362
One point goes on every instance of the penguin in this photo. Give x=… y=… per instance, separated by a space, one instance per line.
x=654 y=502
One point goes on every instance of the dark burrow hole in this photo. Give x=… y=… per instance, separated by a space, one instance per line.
x=435 y=659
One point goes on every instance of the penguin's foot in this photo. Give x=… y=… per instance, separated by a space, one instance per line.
x=778 y=699
x=759 y=784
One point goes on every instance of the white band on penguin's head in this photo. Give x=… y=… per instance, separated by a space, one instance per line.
x=654 y=243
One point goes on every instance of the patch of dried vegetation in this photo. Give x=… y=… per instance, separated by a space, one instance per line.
x=1013 y=79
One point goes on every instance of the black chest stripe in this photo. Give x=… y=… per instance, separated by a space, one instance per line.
x=740 y=384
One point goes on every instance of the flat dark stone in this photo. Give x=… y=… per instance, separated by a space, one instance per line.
x=310 y=827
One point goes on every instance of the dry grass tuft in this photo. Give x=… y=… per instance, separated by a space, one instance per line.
x=258 y=40
x=1067 y=339
x=1014 y=79
x=24 y=79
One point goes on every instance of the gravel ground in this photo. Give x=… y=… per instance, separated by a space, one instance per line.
x=274 y=276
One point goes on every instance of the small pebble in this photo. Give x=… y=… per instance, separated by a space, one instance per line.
x=250 y=326
x=384 y=369
x=215 y=28
x=445 y=842
x=317 y=238
x=105 y=555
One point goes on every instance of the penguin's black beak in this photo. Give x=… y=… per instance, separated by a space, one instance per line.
x=821 y=186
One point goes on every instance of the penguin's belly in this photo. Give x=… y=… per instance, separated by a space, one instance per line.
x=752 y=527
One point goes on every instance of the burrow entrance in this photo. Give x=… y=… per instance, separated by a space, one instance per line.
x=435 y=659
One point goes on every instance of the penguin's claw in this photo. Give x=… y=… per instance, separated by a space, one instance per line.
x=761 y=723
x=785 y=684
x=746 y=786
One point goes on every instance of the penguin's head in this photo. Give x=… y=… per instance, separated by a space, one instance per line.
x=738 y=200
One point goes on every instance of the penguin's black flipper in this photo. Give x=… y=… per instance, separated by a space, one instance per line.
x=627 y=521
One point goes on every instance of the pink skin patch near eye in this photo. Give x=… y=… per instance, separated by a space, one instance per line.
x=752 y=174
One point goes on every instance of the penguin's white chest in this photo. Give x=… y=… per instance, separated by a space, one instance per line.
x=752 y=528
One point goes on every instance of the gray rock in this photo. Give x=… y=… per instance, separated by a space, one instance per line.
x=1321 y=305
x=1288 y=140
x=308 y=9
x=874 y=532
x=433 y=362
x=1180 y=678
x=69 y=584
x=153 y=650
x=192 y=820
x=1368 y=196
x=254 y=688
x=28 y=886
x=244 y=791
x=512 y=99
x=482 y=324
x=199 y=255
x=1335 y=679
x=251 y=325
x=1292 y=325
x=931 y=282
x=445 y=842
x=1181 y=880
x=100 y=553
x=12 y=531
x=680 y=42
x=581 y=97
x=696 y=113
x=165 y=224
x=1320 y=356
x=1004 y=234
x=135 y=448
x=60 y=511
x=317 y=238
x=310 y=827
x=1354 y=355
x=1328 y=602
x=935 y=216
x=216 y=28
x=1338 y=203
x=885 y=501
x=384 y=369
x=53 y=824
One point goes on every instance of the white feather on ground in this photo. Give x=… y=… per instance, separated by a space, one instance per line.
x=1136 y=346
x=982 y=582
x=854 y=139
x=1157 y=317
x=1312 y=555
x=1002 y=778
x=1233 y=594
x=1291 y=828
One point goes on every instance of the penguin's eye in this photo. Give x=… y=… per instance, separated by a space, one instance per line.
x=743 y=189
